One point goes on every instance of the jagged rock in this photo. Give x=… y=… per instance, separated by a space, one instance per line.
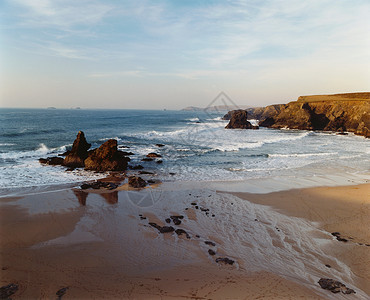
x=225 y=260
x=7 y=290
x=136 y=182
x=78 y=154
x=334 y=286
x=52 y=161
x=107 y=158
x=239 y=120
x=152 y=154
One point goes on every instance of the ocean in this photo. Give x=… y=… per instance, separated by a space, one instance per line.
x=197 y=147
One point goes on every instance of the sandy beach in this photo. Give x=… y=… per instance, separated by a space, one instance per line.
x=101 y=245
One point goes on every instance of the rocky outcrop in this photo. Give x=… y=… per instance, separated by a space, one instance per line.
x=107 y=158
x=341 y=112
x=239 y=120
x=76 y=157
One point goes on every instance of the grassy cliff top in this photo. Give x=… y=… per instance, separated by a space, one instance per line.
x=364 y=96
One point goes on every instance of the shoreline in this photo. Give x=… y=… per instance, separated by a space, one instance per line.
x=105 y=234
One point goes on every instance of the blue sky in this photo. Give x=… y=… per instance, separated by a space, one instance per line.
x=172 y=54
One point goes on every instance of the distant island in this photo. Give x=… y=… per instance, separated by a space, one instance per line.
x=216 y=108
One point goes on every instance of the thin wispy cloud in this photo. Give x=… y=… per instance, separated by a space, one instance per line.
x=210 y=40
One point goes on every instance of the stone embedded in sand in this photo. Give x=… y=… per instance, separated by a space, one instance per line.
x=182 y=231
x=210 y=243
x=166 y=229
x=176 y=219
x=107 y=158
x=334 y=286
x=7 y=290
x=211 y=252
x=76 y=157
x=155 y=225
x=136 y=182
x=225 y=260
x=60 y=293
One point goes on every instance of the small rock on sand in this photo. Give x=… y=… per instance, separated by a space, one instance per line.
x=334 y=286
x=7 y=290
x=225 y=260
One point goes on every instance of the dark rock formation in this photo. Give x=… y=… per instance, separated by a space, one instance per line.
x=136 y=182
x=52 y=161
x=60 y=293
x=159 y=145
x=334 y=286
x=225 y=260
x=338 y=237
x=340 y=113
x=138 y=167
x=78 y=154
x=7 y=290
x=98 y=185
x=239 y=120
x=107 y=158
x=211 y=252
x=176 y=219
x=180 y=231
x=166 y=229
x=209 y=243
x=152 y=154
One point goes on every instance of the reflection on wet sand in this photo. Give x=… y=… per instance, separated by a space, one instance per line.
x=110 y=198
x=81 y=196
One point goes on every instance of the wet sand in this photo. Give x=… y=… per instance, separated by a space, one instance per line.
x=335 y=209
x=101 y=245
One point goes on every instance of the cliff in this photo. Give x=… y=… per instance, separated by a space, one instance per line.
x=340 y=112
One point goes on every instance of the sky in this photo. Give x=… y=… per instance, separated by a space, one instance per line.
x=173 y=54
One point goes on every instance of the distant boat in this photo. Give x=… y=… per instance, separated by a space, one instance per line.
x=51 y=107
x=165 y=109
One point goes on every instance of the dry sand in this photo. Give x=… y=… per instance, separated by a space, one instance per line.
x=99 y=247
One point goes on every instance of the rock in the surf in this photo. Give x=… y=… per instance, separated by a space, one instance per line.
x=78 y=154
x=107 y=158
